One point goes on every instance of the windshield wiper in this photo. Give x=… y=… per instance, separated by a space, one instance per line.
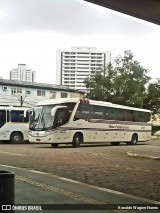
x=43 y=122
x=37 y=122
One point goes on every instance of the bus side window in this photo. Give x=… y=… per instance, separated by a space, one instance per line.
x=17 y=116
x=14 y=116
x=3 y=116
x=147 y=116
x=83 y=112
x=110 y=113
x=136 y=117
x=97 y=112
x=127 y=115
x=119 y=114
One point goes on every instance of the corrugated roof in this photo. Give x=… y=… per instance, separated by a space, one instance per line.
x=36 y=85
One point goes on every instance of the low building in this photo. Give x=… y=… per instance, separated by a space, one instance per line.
x=20 y=93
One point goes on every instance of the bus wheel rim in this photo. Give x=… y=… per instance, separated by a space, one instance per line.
x=16 y=138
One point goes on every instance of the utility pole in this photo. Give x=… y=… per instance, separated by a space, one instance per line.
x=21 y=100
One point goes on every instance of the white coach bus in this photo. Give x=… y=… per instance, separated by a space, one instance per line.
x=76 y=121
x=14 y=124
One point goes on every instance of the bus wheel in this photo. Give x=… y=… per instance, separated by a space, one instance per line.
x=134 y=140
x=77 y=139
x=115 y=143
x=54 y=145
x=16 y=137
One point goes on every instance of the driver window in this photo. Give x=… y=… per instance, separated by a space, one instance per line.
x=62 y=116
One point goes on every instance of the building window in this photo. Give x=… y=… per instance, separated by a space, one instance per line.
x=40 y=92
x=15 y=91
x=28 y=92
x=52 y=95
x=64 y=95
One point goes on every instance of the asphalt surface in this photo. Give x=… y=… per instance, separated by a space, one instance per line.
x=38 y=189
x=132 y=170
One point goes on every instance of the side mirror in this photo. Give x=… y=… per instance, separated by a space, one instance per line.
x=54 y=109
x=27 y=110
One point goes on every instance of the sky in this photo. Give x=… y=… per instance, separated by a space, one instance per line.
x=32 y=30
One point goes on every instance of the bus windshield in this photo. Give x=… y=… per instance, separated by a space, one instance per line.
x=41 y=118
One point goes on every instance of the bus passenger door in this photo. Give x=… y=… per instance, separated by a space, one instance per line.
x=61 y=118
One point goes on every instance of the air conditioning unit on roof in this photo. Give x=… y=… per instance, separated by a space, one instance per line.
x=28 y=92
x=5 y=88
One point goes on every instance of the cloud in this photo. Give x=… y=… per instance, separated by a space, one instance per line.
x=32 y=30
x=72 y=17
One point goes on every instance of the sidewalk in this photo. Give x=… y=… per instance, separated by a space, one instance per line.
x=37 y=189
x=148 y=155
x=145 y=153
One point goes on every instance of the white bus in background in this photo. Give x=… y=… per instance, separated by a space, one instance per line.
x=75 y=121
x=14 y=124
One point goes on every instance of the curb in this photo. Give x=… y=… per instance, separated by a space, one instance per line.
x=155 y=137
x=142 y=156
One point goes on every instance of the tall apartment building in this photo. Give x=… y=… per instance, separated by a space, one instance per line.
x=73 y=66
x=22 y=74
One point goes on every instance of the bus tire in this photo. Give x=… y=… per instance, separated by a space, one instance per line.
x=16 y=137
x=134 y=140
x=77 y=140
x=54 y=145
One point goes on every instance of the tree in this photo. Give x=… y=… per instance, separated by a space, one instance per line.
x=124 y=82
x=152 y=99
x=99 y=84
x=131 y=81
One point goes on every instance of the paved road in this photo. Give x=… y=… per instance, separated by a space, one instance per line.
x=103 y=165
x=37 y=189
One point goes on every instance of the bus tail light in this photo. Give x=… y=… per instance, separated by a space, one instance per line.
x=84 y=101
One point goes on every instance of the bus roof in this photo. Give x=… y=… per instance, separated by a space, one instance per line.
x=13 y=108
x=57 y=101
x=77 y=100
x=109 y=104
